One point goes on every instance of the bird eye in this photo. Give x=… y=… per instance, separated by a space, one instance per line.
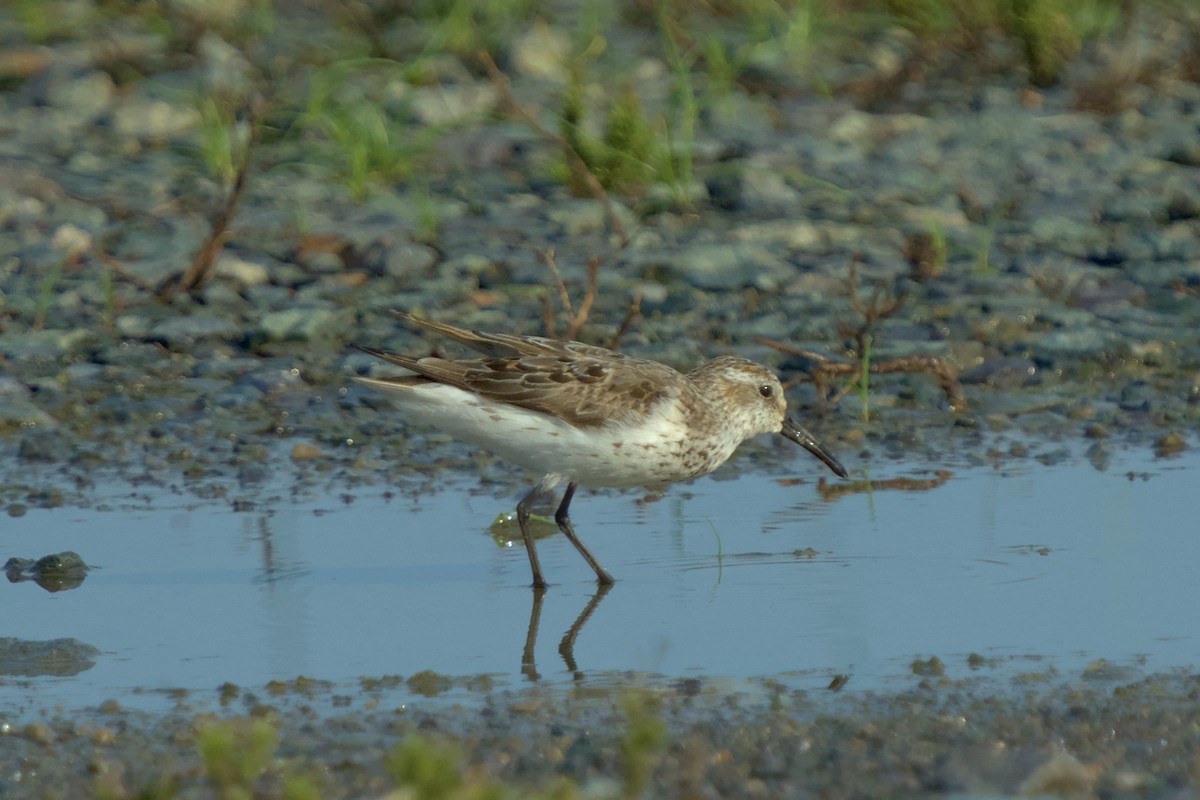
x=766 y=390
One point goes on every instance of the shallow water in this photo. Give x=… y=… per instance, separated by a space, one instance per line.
x=1040 y=567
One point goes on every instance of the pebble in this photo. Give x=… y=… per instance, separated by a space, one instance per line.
x=39 y=732
x=43 y=444
x=721 y=267
x=542 y=52
x=1169 y=444
x=186 y=330
x=1009 y=372
x=84 y=96
x=452 y=105
x=242 y=271
x=409 y=262
x=302 y=451
x=18 y=413
x=71 y=241
x=147 y=120
x=304 y=324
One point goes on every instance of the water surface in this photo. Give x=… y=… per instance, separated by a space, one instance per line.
x=1038 y=567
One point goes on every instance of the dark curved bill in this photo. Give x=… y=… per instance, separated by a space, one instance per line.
x=805 y=439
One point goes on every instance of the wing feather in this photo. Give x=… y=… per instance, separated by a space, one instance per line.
x=583 y=384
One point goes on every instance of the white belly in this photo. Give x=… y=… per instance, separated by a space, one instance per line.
x=618 y=454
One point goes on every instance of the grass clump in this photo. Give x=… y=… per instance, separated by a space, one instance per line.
x=431 y=769
x=235 y=753
x=427 y=767
x=463 y=27
x=238 y=760
x=1049 y=33
x=634 y=148
x=1047 y=37
x=644 y=740
x=621 y=158
x=218 y=137
x=365 y=143
x=46 y=291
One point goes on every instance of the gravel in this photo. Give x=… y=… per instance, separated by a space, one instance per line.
x=1070 y=285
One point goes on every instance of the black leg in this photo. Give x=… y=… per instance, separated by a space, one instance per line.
x=523 y=520
x=564 y=524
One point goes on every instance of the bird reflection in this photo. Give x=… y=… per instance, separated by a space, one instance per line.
x=566 y=647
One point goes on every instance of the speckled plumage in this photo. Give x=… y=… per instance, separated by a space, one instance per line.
x=588 y=415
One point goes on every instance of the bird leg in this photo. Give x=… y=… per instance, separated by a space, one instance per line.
x=523 y=508
x=564 y=525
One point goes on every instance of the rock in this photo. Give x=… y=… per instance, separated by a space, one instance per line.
x=82 y=96
x=1136 y=396
x=235 y=268
x=768 y=190
x=226 y=69
x=1007 y=373
x=1076 y=343
x=726 y=266
x=1169 y=444
x=49 y=344
x=407 y=261
x=54 y=573
x=542 y=52
x=84 y=373
x=11 y=388
x=17 y=413
x=725 y=187
x=60 y=657
x=1182 y=207
x=188 y=329
x=453 y=105
x=268 y=381
x=1186 y=153
x=133 y=326
x=1094 y=295
x=303 y=451
x=71 y=242
x=1062 y=775
x=152 y=120
x=1069 y=236
x=44 y=445
x=305 y=324
x=221 y=295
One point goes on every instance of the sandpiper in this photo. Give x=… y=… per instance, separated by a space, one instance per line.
x=588 y=415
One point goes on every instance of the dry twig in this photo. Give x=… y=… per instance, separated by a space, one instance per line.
x=635 y=310
x=194 y=277
x=575 y=319
x=880 y=307
x=825 y=369
x=1183 y=288
x=202 y=262
x=125 y=273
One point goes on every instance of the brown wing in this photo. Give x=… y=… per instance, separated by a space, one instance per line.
x=507 y=345
x=582 y=391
